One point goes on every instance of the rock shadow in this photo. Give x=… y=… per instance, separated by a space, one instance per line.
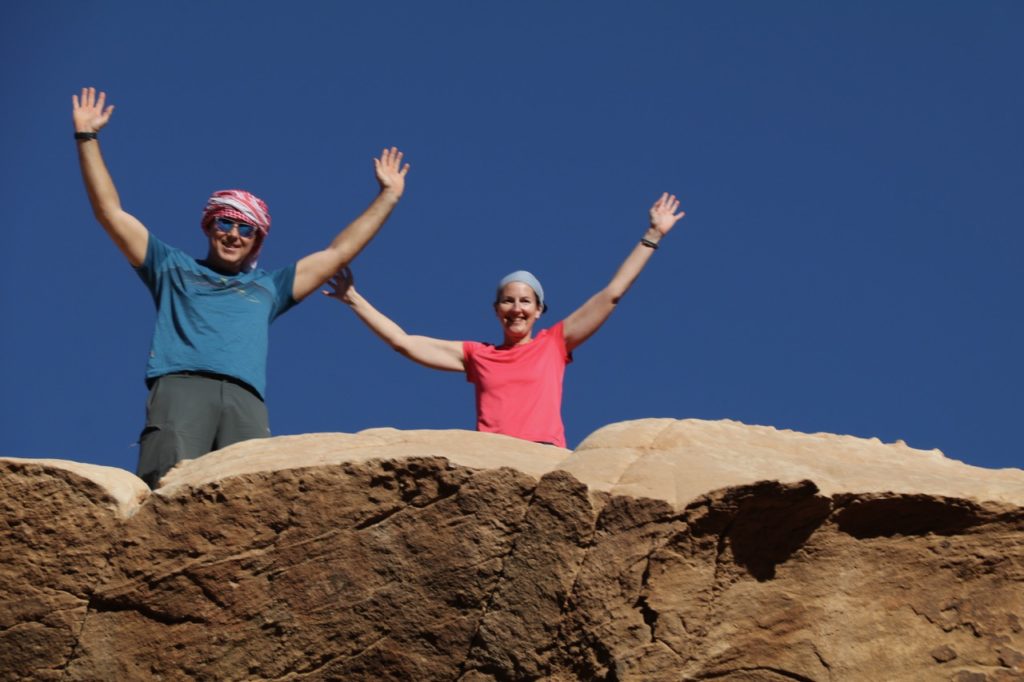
x=764 y=523
x=886 y=516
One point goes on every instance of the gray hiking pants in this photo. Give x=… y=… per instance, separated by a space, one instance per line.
x=191 y=414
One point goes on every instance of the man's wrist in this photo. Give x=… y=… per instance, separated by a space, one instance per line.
x=86 y=135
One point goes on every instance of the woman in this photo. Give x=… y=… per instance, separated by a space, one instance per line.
x=519 y=383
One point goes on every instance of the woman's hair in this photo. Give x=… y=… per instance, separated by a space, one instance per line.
x=529 y=280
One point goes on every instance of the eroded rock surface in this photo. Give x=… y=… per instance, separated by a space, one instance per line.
x=464 y=556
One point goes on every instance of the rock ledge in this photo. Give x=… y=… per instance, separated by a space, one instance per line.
x=659 y=549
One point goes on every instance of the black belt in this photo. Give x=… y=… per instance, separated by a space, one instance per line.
x=208 y=375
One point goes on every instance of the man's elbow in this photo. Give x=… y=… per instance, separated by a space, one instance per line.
x=340 y=257
x=105 y=217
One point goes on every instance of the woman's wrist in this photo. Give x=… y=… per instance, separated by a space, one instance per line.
x=652 y=235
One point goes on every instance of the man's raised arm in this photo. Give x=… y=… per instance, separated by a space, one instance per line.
x=130 y=235
x=315 y=269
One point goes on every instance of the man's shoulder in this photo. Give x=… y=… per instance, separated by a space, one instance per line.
x=158 y=250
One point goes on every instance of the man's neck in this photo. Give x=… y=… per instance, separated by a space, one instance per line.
x=221 y=268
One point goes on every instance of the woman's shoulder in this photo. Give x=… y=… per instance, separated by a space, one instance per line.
x=470 y=347
x=555 y=332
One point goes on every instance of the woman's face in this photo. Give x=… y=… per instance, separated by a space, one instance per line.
x=517 y=311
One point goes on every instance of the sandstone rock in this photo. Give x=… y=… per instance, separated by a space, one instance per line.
x=468 y=448
x=56 y=524
x=660 y=549
x=679 y=460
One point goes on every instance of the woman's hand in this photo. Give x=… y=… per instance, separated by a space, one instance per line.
x=663 y=213
x=342 y=285
x=90 y=113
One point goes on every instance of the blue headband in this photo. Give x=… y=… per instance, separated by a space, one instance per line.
x=526 y=278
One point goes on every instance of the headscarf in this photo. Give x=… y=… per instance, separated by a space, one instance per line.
x=237 y=204
x=527 y=279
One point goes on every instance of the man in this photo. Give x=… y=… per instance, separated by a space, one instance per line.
x=207 y=364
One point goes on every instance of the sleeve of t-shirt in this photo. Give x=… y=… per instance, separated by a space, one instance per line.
x=469 y=349
x=284 y=283
x=156 y=253
x=558 y=338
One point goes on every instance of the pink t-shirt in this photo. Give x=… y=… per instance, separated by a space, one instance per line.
x=519 y=389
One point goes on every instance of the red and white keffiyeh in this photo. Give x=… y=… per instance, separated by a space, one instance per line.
x=237 y=204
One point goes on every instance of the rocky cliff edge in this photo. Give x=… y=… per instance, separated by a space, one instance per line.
x=658 y=550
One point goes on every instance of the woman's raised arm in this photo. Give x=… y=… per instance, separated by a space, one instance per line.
x=589 y=317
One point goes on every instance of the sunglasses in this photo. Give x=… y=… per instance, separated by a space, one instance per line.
x=225 y=226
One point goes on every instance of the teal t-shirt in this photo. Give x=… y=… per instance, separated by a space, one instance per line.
x=209 y=322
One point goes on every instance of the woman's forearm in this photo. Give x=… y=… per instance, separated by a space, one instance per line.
x=425 y=350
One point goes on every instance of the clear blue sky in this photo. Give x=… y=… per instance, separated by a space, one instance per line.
x=853 y=176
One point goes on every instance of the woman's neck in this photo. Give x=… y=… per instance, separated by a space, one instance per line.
x=512 y=342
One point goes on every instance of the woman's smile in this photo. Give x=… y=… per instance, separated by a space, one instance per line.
x=517 y=309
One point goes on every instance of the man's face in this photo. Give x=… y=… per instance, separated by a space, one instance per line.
x=231 y=241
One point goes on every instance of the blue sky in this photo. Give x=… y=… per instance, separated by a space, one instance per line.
x=852 y=175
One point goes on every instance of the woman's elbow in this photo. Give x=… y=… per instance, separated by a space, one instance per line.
x=611 y=295
x=403 y=344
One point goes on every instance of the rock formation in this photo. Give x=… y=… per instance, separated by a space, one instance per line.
x=658 y=550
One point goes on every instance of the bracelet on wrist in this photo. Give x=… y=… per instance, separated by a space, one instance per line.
x=86 y=136
x=649 y=244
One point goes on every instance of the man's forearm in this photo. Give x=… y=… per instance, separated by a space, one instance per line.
x=312 y=271
x=127 y=233
x=99 y=185
x=351 y=240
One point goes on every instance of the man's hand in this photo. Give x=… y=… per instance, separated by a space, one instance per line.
x=391 y=172
x=663 y=213
x=90 y=113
